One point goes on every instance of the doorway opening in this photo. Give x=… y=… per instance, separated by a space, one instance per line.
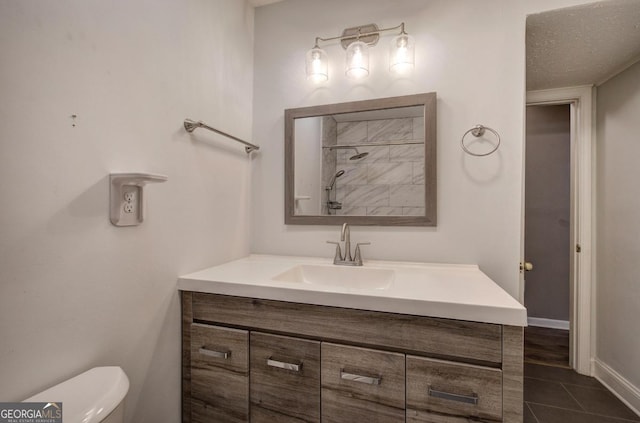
x=547 y=233
x=580 y=247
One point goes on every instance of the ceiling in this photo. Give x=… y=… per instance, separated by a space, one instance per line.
x=582 y=45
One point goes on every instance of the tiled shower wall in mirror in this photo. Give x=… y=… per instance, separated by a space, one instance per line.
x=389 y=180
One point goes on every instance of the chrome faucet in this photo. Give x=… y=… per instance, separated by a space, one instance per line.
x=347 y=259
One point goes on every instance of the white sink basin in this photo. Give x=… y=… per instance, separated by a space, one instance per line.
x=339 y=276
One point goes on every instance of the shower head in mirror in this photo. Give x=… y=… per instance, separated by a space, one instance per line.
x=356 y=156
x=359 y=155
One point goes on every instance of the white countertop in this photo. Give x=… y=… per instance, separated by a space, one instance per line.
x=449 y=291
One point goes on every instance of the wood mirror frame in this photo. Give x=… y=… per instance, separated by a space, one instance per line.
x=426 y=100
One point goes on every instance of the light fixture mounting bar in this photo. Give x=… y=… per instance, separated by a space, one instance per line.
x=368 y=34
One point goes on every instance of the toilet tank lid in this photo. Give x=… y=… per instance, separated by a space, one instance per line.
x=88 y=397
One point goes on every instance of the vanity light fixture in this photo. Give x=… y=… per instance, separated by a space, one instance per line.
x=356 y=42
x=357 y=60
x=401 y=54
x=317 y=64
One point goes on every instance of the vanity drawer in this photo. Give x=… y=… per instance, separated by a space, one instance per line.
x=219 y=374
x=285 y=379
x=220 y=347
x=362 y=385
x=456 y=391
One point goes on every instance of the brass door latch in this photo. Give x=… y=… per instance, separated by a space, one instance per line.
x=526 y=266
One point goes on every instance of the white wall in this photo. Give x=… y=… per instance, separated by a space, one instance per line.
x=75 y=291
x=618 y=205
x=472 y=54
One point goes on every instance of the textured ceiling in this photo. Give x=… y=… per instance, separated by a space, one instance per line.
x=582 y=45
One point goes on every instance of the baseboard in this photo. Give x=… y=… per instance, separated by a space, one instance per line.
x=548 y=323
x=618 y=385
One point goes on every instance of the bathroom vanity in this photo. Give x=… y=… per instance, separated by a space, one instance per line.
x=290 y=339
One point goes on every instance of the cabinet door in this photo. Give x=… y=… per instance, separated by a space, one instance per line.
x=441 y=391
x=285 y=379
x=219 y=374
x=362 y=385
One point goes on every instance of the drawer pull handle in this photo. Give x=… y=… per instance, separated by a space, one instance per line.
x=467 y=399
x=369 y=380
x=216 y=354
x=295 y=367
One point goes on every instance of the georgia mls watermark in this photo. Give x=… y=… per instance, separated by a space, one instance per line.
x=30 y=412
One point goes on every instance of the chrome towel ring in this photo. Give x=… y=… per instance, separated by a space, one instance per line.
x=478 y=131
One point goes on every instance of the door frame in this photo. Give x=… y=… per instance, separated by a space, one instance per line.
x=582 y=272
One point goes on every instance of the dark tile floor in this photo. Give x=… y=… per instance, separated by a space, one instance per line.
x=555 y=394
x=546 y=346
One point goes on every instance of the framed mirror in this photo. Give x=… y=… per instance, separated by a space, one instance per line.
x=369 y=162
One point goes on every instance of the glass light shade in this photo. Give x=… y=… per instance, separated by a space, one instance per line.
x=357 y=60
x=317 y=65
x=402 y=54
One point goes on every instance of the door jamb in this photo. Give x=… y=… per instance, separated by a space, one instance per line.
x=583 y=218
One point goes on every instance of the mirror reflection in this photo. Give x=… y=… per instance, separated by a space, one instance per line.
x=368 y=163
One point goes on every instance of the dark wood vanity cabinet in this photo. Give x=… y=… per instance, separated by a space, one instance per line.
x=285 y=379
x=219 y=374
x=456 y=390
x=361 y=384
x=259 y=361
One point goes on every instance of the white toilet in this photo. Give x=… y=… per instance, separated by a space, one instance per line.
x=96 y=395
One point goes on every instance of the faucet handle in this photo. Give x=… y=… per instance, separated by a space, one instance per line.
x=358 y=257
x=338 y=256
